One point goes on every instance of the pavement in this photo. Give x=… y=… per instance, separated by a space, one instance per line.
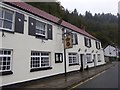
x=62 y=81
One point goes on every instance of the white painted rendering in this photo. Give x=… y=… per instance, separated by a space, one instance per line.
x=111 y=51
x=23 y=44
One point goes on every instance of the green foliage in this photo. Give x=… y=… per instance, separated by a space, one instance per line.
x=102 y=26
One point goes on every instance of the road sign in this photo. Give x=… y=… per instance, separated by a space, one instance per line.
x=68 y=42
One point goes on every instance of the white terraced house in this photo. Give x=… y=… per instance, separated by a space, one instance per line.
x=32 y=46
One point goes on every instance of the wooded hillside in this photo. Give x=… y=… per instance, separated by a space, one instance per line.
x=102 y=26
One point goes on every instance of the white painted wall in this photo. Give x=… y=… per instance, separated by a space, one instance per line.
x=22 y=44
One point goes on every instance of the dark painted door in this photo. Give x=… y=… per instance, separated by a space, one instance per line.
x=81 y=58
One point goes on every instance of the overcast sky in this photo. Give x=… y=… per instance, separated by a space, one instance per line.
x=94 y=6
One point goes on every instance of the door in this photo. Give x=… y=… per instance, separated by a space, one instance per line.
x=94 y=58
x=82 y=63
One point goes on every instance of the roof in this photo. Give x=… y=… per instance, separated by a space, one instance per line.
x=48 y=16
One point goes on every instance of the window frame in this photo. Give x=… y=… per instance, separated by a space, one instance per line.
x=58 y=56
x=40 y=56
x=89 y=58
x=38 y=29
x=2 y=55
x=11 y=21
x=99 y=57
x=87 y=42
x=73 y=56
x=98 y=45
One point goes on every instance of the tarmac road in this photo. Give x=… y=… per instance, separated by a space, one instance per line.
x=107 y=79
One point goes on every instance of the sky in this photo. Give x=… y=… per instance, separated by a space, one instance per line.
x=94 y=6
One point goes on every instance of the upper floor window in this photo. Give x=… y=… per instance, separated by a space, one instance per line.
x=74 y=39
x=6 y=19
x=97 y=45
x=40 y=28
x=87 y=42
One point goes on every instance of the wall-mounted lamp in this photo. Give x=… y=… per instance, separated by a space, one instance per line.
x=85 y=50
x=3 y=34
x=43 y=41
x=92 y=51
x=79 y=49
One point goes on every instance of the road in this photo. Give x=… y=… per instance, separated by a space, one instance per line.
x=107 y=79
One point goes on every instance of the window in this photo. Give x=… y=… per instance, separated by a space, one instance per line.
x=89 y=59
x=99 y=58
x=87 y=42
x=6 y=19
x=97 y=45
x=73 y=59
x=40 y=28
x=58 y=57
x=40 y=60
x=74 y=39
x=5 y=60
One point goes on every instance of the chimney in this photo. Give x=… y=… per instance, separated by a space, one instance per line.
x=60 y=21
x=82 y=27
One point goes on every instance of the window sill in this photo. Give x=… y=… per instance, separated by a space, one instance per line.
x=6 y=73
x=88 y=46
x=40 y=69
x=58 y=61
x=41 y=37
x=90 y=62
x=3 y=30
x=73 y=64
x=98 y=48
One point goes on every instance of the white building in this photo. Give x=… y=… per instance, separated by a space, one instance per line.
x=31 y=45
x=111 y=51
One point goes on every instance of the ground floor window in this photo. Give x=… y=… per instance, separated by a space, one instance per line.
x=40 y=59
x=5 y=60
x=73 y=58
x=99 y=58
x=89 y=58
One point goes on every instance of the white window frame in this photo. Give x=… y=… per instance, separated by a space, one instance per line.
x=40 y=29
x=98 y=45
x=2 y=55
x=88 y=42
x=11 y=21
x=73 y=38
x=74 y=58
x=40 y=56
x=89 y=58
x=99 y=57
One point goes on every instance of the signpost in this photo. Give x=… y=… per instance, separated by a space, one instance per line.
x=67 y=44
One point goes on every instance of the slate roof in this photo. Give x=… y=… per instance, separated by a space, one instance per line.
x=45 y=15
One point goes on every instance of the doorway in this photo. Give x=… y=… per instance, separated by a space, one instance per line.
x=94 y=58
x=82 y=63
